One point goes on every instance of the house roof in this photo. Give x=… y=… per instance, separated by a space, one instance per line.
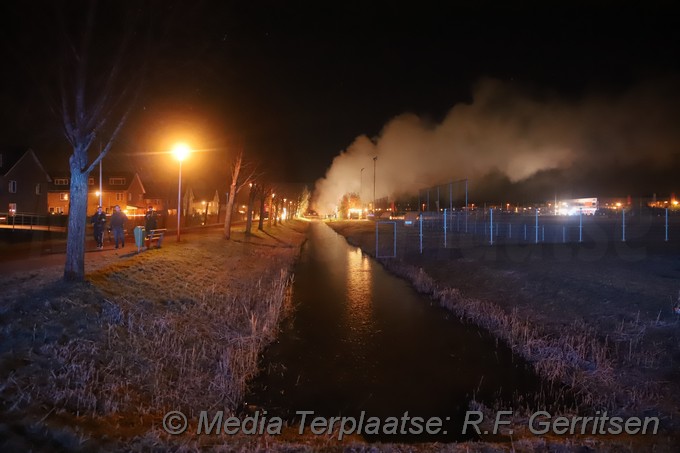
x=11 y=156
x=155 y=191
x=203 y=194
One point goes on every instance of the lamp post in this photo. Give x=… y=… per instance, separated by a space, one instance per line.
x=361 y=186
x=181 y=152
x=374 y=159
x=100 y=194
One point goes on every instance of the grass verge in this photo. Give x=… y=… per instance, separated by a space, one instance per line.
x=96 y=365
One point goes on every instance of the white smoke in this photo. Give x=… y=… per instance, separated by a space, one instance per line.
x=506 y=130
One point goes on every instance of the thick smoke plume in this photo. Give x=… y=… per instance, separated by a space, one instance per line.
x=510 y=142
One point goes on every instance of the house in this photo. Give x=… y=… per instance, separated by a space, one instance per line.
x=23 y=182
x=158 y=197
x=203 y=205
x=117 y=188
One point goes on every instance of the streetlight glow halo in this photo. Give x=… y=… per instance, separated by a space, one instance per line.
x=181 y=151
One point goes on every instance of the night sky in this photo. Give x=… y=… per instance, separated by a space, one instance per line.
x=295 y=83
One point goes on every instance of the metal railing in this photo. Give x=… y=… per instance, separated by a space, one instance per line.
x=30 y=221
x=445 y=230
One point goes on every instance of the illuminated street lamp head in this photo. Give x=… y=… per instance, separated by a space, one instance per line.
x=181 y=151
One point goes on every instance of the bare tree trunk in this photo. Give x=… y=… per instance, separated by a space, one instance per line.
x=235 y=169
x=271 y=210
x=263 y=197
x=251 y=203
x=74 y=268
x=228 y=211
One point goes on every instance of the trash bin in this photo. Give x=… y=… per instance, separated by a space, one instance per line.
x=139 y=237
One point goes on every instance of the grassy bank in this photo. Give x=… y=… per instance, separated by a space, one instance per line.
x=97 y=365
x=590 y=325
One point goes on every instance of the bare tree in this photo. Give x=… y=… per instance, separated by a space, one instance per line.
x=264 y=195
x=93 y=109
x=251 y=204
x=303 y=202
x=247 y=175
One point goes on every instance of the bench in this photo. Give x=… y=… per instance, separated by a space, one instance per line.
x=155 y=235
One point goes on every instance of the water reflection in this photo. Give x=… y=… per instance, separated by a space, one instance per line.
x=364 y=340
x=359 y=292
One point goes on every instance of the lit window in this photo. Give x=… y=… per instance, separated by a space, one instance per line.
x=120 y=196
x=117 y=181
x=12 y=187
x=63 y=196
x=90 y=181
x=12 y=208
x=61 y=182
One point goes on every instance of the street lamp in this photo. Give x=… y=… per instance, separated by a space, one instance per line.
x=374 y=159
x=181 y=152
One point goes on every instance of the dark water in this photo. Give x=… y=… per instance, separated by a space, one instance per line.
x=363 y=340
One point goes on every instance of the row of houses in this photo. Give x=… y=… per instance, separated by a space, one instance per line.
x=26 y=187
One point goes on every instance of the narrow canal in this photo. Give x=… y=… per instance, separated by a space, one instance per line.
x=361 y=339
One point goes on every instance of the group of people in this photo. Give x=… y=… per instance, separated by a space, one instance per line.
x=117 y=225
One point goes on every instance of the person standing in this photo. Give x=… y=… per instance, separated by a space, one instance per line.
x=150 y=221
x=118 y=219
x=99 y=222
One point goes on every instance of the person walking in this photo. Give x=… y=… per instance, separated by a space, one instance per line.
x=118 y=219
x=99 y=222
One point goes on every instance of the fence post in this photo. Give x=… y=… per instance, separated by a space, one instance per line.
x=536 y=225
x=376 y=239
x=444 y=227
x=580 y=225
x=564 y=234
x=421 y=232
x=490 y=226
x=623 y=223
x=466 y=205
x=666 y=224
x=542 y=233
x=525 y=231
x=509 y=230
x=451 y=202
